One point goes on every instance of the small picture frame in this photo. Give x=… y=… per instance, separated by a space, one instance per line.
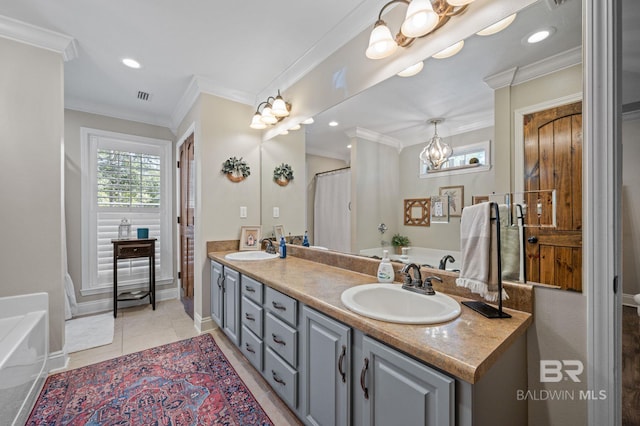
x=250 y=238
x=416 y=212
x=477 y=199
x=439 y=209
x=456 y=199
x=278 y=232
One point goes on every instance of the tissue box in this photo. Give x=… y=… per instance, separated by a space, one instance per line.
x=143 y=233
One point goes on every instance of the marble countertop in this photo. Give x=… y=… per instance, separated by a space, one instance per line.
x=465 y=347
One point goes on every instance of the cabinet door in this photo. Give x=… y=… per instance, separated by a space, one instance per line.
x=231 y=308
x=216 y=292
x=402 y=391
x=325 y=369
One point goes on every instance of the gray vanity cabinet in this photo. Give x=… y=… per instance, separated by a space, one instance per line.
x=394 y=389
x=217 y=294
x=325 y=373
x=231 y=305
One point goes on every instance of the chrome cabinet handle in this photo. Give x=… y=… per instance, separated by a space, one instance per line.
x=279 y=306
x=363 y=373
x=278 y=341
x=249 y=349
x=249 y=317
x=277 y=379
x=340 y=360
x=249 y=289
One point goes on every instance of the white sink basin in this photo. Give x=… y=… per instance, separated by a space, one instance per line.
x=250 y=255
x=389 y=302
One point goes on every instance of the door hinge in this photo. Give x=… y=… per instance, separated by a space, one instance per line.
x=178 y=164
x=615 y=285
x=179 y=274
x=178 y=219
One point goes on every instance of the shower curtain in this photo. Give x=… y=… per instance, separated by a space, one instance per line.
x=331 y=210
x=70 y=304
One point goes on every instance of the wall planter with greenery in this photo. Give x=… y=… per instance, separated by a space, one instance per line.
x=236 y=169
x=282 y=174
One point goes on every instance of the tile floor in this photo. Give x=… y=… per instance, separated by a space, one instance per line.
x=140 y=327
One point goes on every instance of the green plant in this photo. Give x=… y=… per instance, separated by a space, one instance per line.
x=400 y=241
x=283 y=171
x=236 y=165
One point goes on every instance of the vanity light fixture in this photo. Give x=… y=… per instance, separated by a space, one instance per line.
x=437 y=151
x=308 y=121
x=498 y=26
x=422 y=17
x=449 y=51
x=274 y=109
x=295 y=127
x=412 y=70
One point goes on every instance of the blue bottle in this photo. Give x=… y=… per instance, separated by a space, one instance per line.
x=305 y=240
x=283 y=248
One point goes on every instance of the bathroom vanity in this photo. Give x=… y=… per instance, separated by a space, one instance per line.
x=333 y=366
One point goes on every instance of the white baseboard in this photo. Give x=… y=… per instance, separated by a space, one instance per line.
x=203 y=324
x=57 y=360
x=627 y=300
x=104 y=305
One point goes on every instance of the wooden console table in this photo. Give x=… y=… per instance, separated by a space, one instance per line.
x=132 y=249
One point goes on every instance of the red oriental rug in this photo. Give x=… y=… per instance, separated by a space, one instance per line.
x=189 y=382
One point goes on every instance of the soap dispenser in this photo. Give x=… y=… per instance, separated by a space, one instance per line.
x=305 y=240
x=283 y=248
x=385 y=270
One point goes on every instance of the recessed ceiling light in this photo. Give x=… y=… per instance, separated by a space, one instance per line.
x=349 y=146
x=333 y=123
x=308 y=120
x=498 y=26
x=131 y=63
x=540 y=35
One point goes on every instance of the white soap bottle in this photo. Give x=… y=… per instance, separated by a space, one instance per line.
x=385 y=270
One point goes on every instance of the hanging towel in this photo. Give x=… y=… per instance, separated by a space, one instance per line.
x=479 y=250
x=510 y=244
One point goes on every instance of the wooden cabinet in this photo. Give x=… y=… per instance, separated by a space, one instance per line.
x=231 y=305
x=216 y=292
x=325 y=373
x=396 y=389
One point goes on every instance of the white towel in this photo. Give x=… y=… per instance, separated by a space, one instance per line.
x=479 y=250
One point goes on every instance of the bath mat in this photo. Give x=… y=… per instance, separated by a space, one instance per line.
x=189 y=382
x=88 y=332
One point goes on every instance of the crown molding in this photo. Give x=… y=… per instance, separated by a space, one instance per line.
x=39 y=37
x=91 y=108
x=329 y=154
x=519 y=75
x=370 y=135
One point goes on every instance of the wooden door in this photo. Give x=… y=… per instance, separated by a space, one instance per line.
x=553 y=160
x=187 y=212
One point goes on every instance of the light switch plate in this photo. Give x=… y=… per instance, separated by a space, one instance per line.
x=276 y=212
x=243 y=212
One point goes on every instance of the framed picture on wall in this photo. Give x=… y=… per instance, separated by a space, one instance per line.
x=278 y=231
x=416 y=212
x=477 y=199
x=250 y=238
x=439 y=209
x=456 y=198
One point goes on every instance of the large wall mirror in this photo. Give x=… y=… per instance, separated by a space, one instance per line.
x=489 y=91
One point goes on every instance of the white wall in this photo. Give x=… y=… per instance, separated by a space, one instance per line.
x=631 y=204
x=73 y=121
x=31 y=130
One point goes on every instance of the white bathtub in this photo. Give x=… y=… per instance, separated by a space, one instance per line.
x=24 y=347
x=419 y=256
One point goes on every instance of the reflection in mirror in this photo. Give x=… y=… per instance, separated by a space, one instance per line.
x=478 y=92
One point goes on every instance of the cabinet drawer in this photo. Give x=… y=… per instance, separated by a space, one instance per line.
x=281 y=377
x=252 y=316
x=252 y=348
x=281 y=305
x=252 y=289
x=133 y=251
x=281 y=338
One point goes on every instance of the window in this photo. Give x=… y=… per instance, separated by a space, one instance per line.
x=124 y=176
x=465 y=159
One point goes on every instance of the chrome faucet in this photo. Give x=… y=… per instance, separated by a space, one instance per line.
x=443 y=261
x=270 y=247
x=292 y=240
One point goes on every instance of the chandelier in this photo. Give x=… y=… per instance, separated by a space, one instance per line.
x=422 y=17
x=273 y=110
x=437 y=151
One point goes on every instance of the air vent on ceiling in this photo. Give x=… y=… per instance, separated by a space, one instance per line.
x=143 y=96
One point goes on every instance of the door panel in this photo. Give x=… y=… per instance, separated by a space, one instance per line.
x=553 y=160
x=187 y=208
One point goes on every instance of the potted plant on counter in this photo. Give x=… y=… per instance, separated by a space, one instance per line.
x=236 y=169
x=282 y=174
x=398 y=241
